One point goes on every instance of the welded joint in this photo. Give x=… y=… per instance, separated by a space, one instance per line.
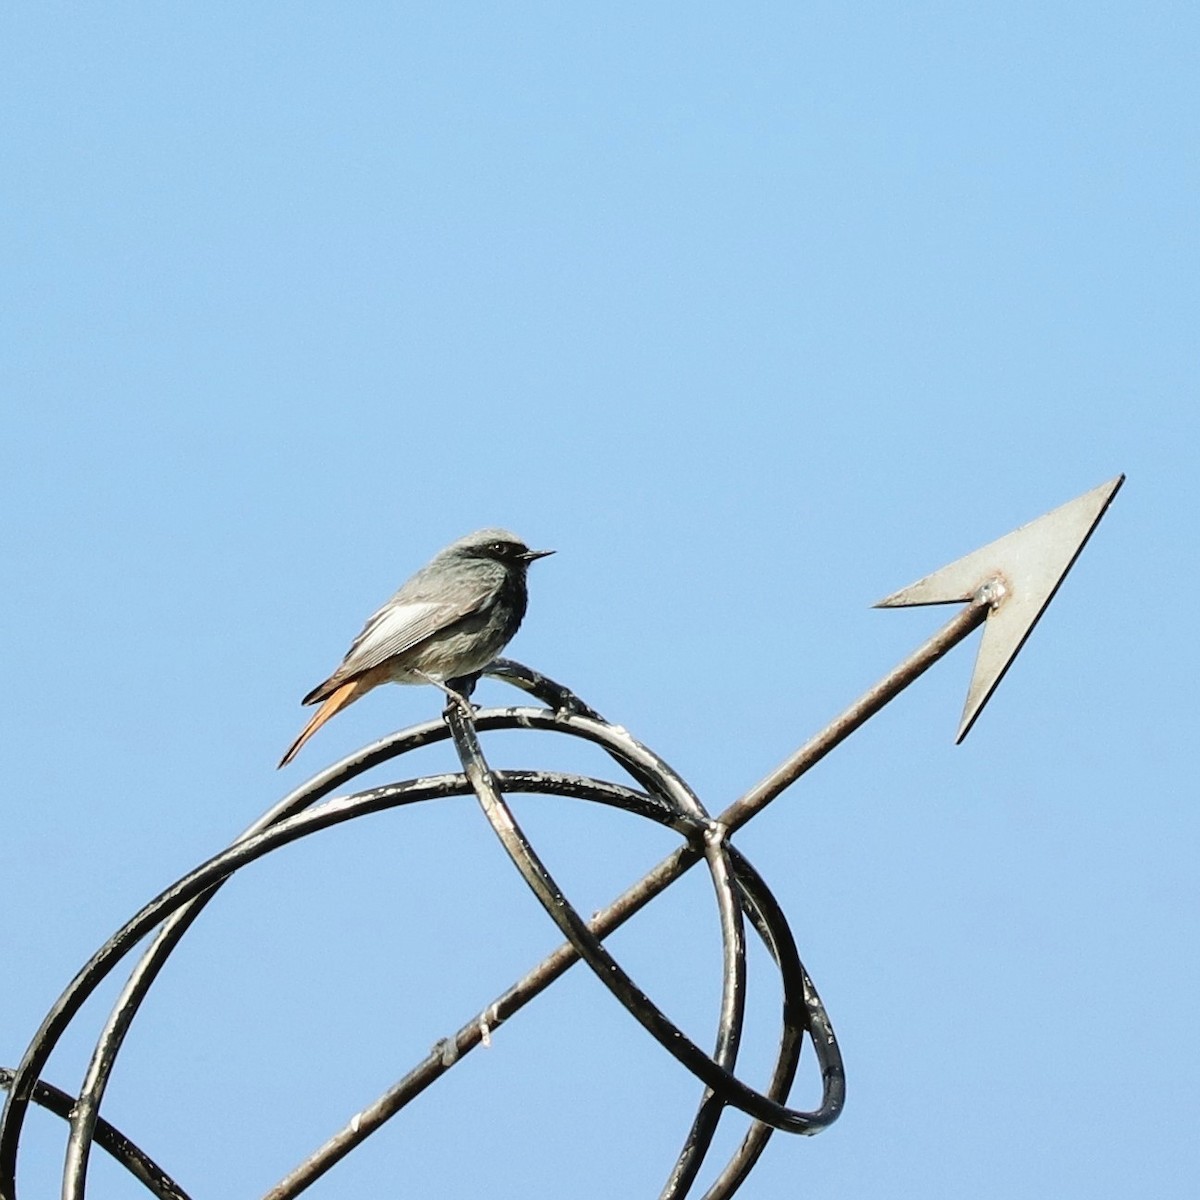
x=993 y=593
x=716 y=834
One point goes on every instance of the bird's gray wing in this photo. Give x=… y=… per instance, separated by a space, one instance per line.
x=398 y=626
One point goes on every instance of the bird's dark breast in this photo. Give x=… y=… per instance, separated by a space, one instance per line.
x=514 y=597
x=499 y=621
x=469 y=644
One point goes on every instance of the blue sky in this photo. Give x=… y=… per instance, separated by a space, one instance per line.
x=755 y=314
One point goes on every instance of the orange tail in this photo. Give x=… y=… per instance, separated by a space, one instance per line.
x=336 y=701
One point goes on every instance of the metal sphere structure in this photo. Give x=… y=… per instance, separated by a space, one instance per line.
x=660 y=795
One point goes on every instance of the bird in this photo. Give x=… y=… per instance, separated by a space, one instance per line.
x=442 y=627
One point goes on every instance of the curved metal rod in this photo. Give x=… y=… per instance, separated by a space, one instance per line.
x=802 y=1009
x=87 y=1108
x=551 y=693
x=202 y=880
x=671 y=1037
x=803 y=1012
x=108 y=1137
x=553 y=900
x=334 y=812
x=194 y=890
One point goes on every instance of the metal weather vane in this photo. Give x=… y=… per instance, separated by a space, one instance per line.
x=1005 y=586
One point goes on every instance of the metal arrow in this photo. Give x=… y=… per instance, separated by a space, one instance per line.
x=1023 y=569
x=1006 y=584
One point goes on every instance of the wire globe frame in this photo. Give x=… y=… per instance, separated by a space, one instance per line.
x=661 y=795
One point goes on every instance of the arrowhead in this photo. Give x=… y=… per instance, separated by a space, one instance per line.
x=1029 y=563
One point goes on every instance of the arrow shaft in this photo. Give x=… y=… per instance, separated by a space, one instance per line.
x=861 y=711
x=656 y=881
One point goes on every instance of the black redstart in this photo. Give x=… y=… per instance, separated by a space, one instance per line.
x=444 y=625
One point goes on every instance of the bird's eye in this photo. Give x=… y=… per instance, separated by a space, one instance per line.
x=498 y=548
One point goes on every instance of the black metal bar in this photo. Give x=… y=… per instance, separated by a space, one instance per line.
x=589 y=947
x=667 y=801
x=554 y=695
x=204 y=878
x=802 y=1011
x=87 y=1108
x=108 y=1137
x=733 y=986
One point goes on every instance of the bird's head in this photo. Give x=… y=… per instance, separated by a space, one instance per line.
x=496 y=545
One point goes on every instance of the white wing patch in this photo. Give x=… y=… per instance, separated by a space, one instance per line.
x=394 y=629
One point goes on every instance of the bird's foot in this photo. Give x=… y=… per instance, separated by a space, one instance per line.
x=454 y=698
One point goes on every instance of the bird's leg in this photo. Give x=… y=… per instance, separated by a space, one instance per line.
x=459 y=698
x=464 y=685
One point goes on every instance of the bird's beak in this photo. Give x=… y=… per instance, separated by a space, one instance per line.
x=530 y=555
